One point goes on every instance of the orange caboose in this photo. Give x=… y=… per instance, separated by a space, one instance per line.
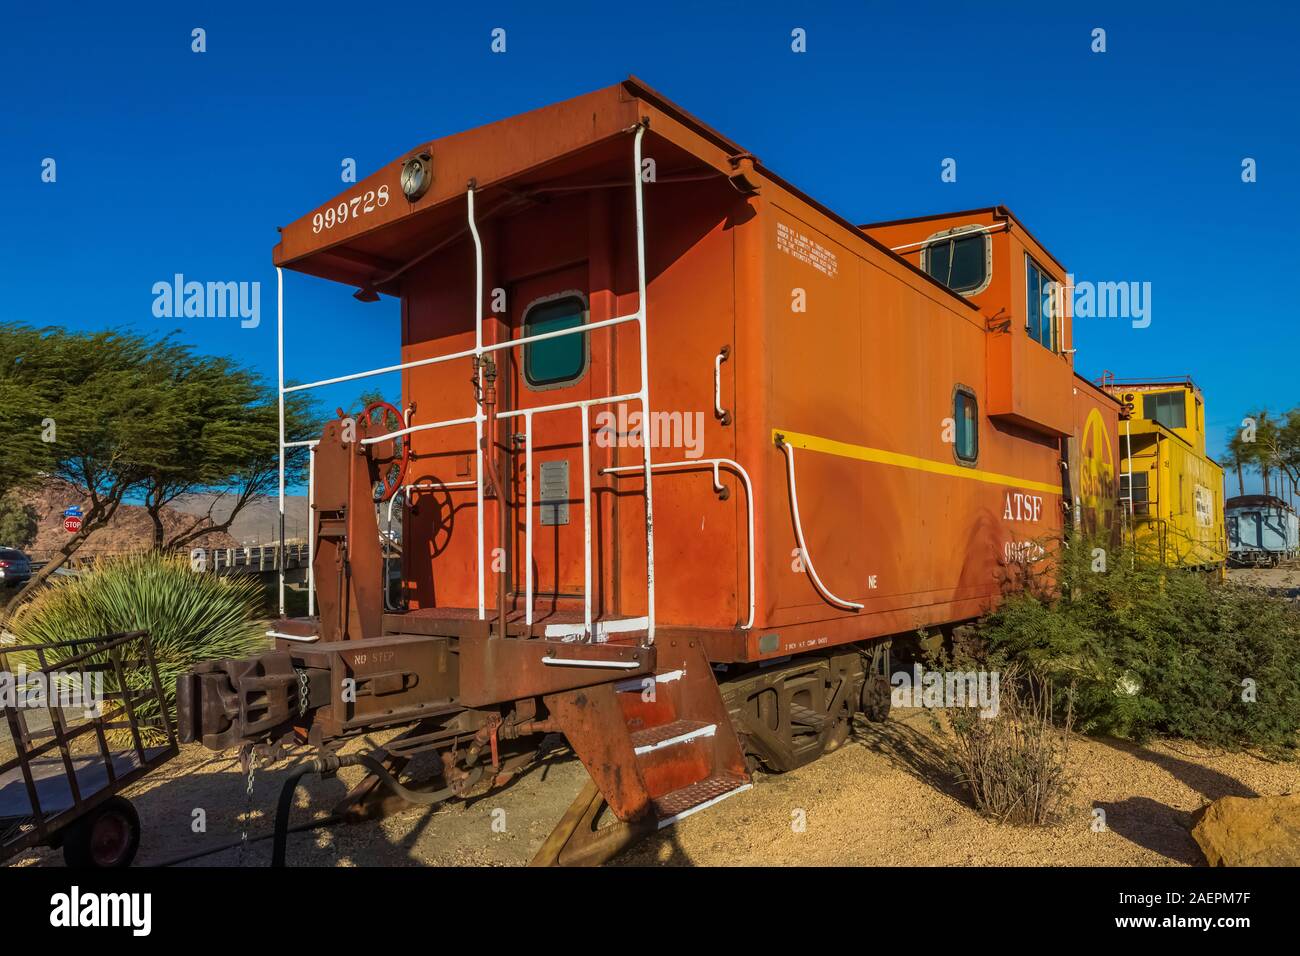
x=924 y=442
x=664 y=419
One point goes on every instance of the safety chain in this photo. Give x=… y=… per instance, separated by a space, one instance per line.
x=249 y=759
x=303 y=690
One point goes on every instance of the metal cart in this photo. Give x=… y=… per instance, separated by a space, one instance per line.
x=67 y=718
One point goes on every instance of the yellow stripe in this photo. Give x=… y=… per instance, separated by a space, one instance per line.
x=880 y=456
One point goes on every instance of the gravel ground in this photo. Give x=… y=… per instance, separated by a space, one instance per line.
x=1284 y=580
x=884 y=799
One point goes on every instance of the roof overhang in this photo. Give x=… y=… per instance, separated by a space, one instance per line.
x=578 y=143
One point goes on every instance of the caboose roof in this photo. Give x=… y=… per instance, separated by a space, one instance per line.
x=1183 y=382
x=1096 y=390
x=575 y=144
x=1257 y=501
x=998 y=212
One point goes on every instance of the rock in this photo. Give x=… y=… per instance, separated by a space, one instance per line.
x=1250 y=831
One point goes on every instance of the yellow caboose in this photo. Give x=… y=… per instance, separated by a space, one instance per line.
x=1170 y=489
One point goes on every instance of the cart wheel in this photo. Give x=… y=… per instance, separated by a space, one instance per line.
x=106 y=838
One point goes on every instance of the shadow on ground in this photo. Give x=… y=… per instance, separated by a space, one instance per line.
x=913 y=752
x=1208 y=782
x=198 y=803
x=1154 y=826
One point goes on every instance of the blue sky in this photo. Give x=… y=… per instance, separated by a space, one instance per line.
x=1126 y=164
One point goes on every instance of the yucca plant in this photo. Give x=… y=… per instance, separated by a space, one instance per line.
x=190 y=618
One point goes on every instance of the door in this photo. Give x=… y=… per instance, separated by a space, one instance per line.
x=551 y=372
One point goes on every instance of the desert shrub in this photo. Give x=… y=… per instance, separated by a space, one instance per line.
x=1150 y=651
x=190 y=617
x=1014 y=763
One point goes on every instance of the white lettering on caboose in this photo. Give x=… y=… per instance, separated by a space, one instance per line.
x=1023 y=507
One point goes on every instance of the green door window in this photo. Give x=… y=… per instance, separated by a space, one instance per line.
x=562 y=359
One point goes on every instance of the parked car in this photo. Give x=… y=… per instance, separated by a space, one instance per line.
x=15 y=568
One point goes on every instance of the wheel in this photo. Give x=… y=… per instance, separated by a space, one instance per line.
x=876 y=698
x=392 y=467
x=106 y=838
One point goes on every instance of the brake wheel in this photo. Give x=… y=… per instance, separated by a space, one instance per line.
x=379 y=418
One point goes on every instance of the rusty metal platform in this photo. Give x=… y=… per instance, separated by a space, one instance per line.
x=562 y=624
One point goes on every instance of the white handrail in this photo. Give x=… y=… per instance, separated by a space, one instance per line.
x=803 y=547
x=509 y=413
x=572 y=330
x=717 y=486
x=445 y=423
x=575 y=662
x=311 y=531
x=645 y=384
x=561 y=406
x=528 y=519
x=279 y=338
x=718 y=410
x=478 y=395
x=586 y=522
x=465 y=353
x=970 y=231
x=310 y=639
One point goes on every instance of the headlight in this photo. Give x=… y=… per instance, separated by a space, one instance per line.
x=417 y=176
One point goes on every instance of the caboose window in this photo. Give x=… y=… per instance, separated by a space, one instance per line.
x=1040 y=321
x=965 y=416
x=560 y=360
x=1167 y=408
x=960 y=260
x=1135 y=486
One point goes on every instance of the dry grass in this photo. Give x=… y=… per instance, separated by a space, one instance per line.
x=1013 y=764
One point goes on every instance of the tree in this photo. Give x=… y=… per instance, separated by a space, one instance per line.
x=23 y=455
x=121 y=415
x=89 y=401
x=1269 y=445
x=17 y=522
x=222 y=436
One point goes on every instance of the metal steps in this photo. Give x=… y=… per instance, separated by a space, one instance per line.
x=682 y=755
x=694 y=797
x=651 y=739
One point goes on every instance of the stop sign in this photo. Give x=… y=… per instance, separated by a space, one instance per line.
x=72 y=524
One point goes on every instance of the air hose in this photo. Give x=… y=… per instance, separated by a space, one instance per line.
x=333 y=762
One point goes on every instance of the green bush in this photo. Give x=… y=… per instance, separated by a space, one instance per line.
x=190 y=617
x=1152 y=651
